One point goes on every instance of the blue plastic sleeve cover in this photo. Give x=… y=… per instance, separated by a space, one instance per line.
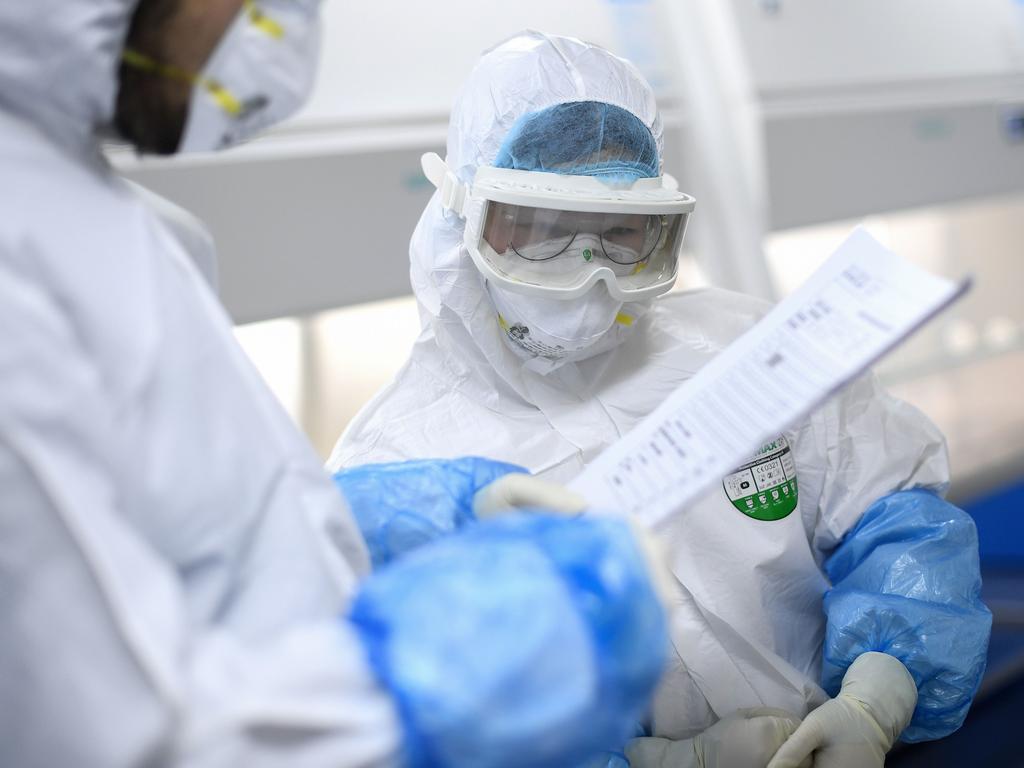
x=607 y=760
x=907 y=582
x=529 y=640
x=403 y=505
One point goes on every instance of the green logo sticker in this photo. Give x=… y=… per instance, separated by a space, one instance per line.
x=765 y=488
x=587 y=254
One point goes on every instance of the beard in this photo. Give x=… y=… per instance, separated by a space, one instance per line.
x=151 y=108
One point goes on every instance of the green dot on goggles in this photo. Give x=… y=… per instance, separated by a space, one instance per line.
x=587 y=254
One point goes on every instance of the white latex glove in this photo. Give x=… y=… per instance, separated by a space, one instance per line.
x=745 y=739
x=859 y=726
x=515 y=491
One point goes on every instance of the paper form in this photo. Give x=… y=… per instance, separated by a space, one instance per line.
x=859 y=305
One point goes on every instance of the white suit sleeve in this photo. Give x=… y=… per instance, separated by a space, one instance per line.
x=874 y=444
x=99 y=662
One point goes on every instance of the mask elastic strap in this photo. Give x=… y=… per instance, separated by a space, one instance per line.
x=221 y=95
x=224 y=98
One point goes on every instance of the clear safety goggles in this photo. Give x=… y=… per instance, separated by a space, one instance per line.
x=555 y=235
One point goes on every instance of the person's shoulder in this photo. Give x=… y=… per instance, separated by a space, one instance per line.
x=382 y=429
x=715 y=313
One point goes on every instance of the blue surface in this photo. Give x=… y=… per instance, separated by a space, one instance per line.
x=999 y=515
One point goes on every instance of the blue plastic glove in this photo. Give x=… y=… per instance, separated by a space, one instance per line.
x=907 y=583
x=526 y=641
x=403 y=505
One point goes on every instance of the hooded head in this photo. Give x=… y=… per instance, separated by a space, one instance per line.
x=59 y=61
x=536 y=103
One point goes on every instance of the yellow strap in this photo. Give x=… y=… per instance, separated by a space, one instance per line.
x=260 y=20
x=224 y=98
x=221 y=95
x=133 y=58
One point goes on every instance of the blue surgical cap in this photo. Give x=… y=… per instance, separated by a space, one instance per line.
x=581 y=138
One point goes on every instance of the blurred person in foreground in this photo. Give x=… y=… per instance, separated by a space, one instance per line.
x=181 y=583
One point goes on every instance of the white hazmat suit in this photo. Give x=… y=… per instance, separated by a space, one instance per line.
x=748 y=626
x=114 y=357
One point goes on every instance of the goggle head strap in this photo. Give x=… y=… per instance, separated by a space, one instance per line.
x=453 y=192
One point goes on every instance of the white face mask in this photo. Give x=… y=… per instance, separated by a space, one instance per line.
x=559 y=329
x=260 y=73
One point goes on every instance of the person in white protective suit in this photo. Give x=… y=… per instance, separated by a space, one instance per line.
x=181 y=584
x=536 y=266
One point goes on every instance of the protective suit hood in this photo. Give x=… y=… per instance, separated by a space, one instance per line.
x=524 y=74
x=59 y=62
